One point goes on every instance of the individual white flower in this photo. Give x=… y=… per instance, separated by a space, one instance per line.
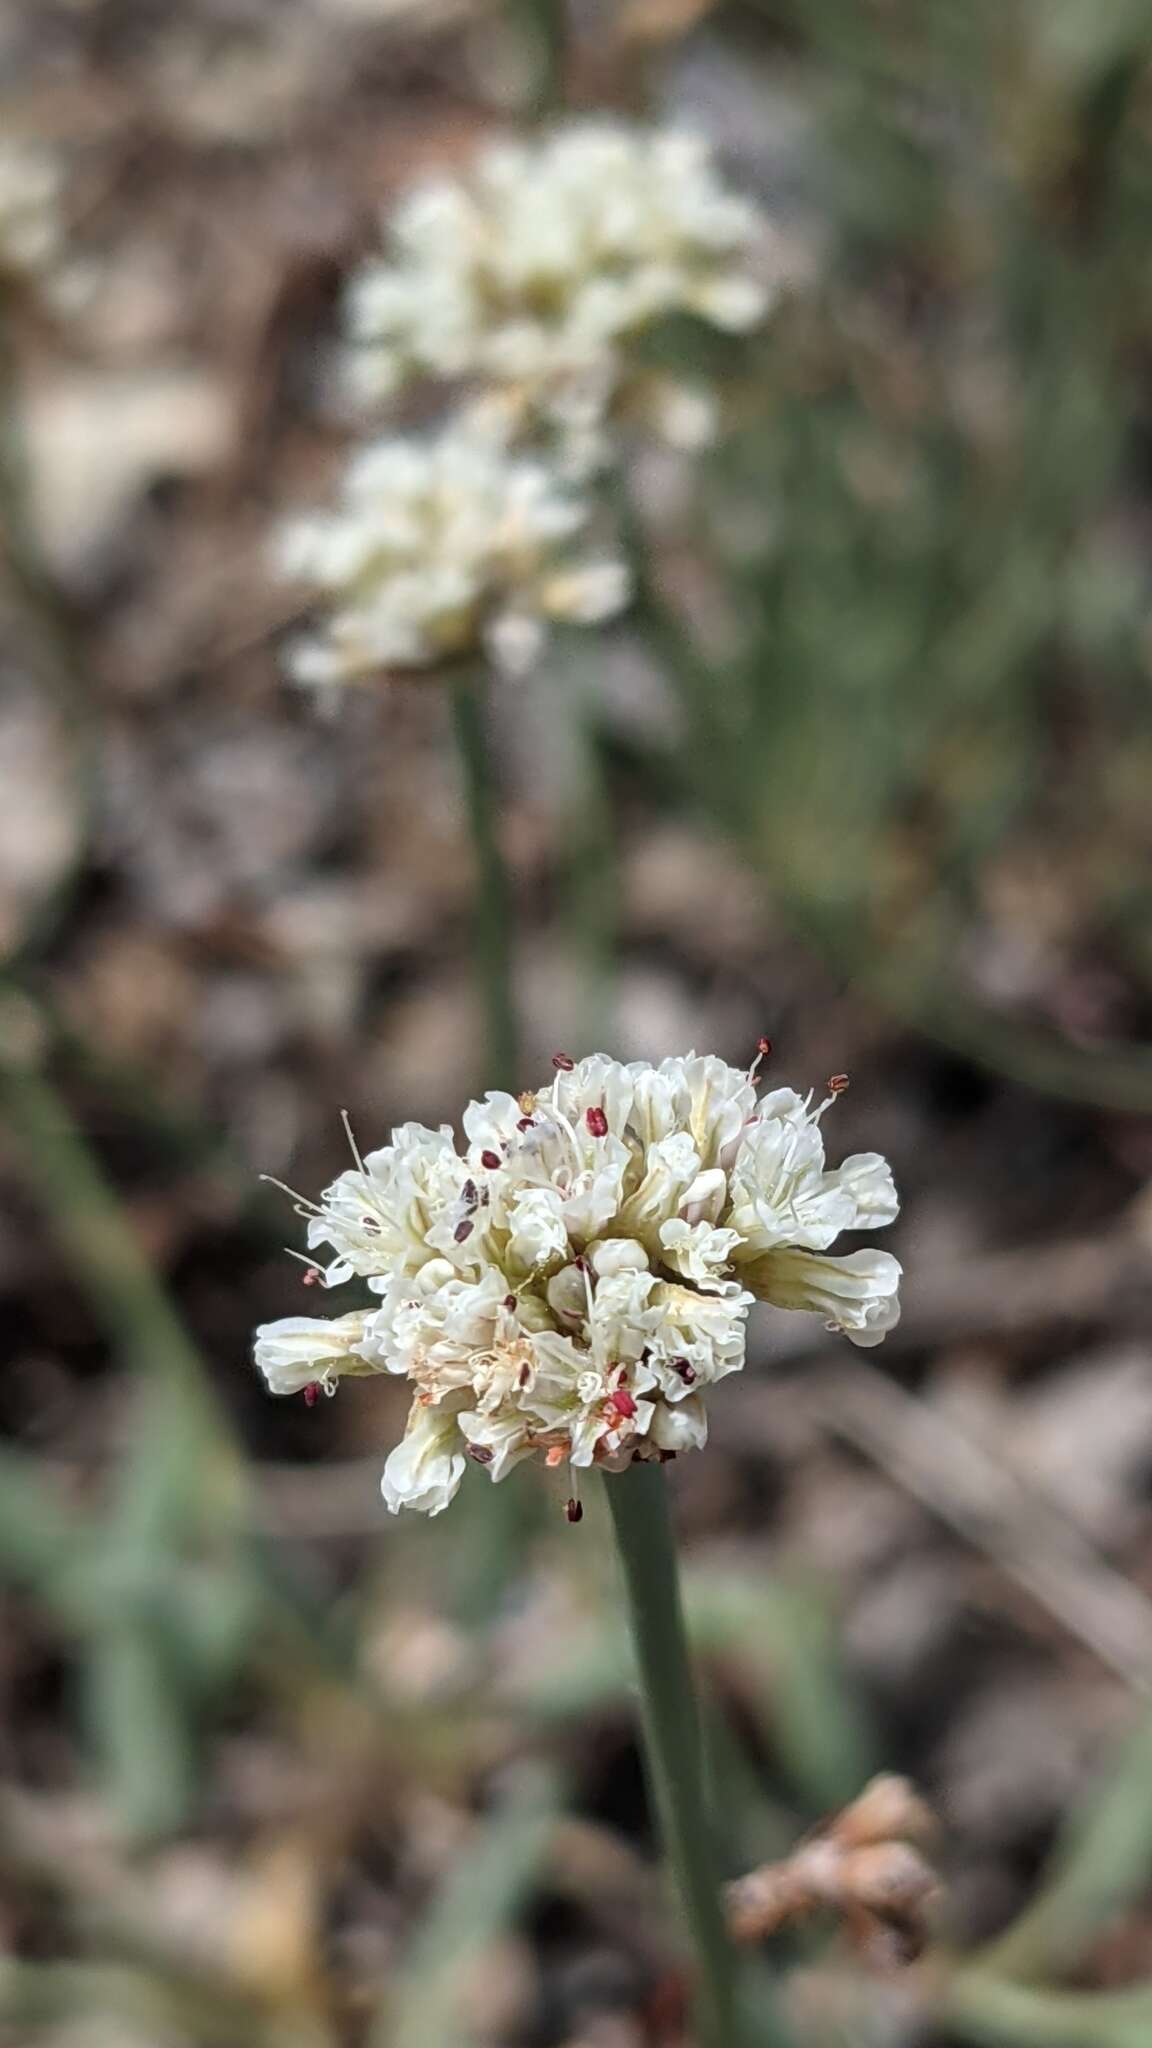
x=30 y=228
x=573 y=1279
x=442 y=546
x=427 y=1464
x=858 y=1295
x=302 y=1351
x=536 y=273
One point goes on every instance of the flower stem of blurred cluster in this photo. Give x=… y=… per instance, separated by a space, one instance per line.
x=544 y=26
x=592 y=888
x=641 y=1518
x=493 y=893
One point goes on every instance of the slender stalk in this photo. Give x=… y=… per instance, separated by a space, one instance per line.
x=494 y=894
x=544 y=24
x=638 y=1500
x=592 y=887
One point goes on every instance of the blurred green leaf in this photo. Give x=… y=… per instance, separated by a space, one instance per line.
x=782 y=1638
x=1103 y=1865
x=38 y=1534
x=983 y=2009
x=136 y=1709
x=478 y=1901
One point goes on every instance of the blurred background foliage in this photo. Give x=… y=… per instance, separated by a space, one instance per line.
x=866 y=767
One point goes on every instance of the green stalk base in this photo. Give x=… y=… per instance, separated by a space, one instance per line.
x=638 y=1501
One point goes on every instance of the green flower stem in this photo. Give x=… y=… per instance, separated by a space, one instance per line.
x=494 y=894
x=544 y=25
x=638 y=1500
x=592 y=887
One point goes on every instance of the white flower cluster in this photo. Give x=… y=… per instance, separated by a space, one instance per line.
x=30 y=230
x=576 y=1276
x=533 y=278
x=528 y=284
x=440 y=546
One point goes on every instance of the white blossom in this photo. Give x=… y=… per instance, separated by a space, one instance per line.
x=572 y=1276
x=533 y=276
x=30 y=228
x=440 y=546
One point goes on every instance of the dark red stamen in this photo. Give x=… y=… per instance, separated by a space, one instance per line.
x=312 y=1393
x=480 y=1454
x=764 y=1047
x=491 y=1160
x=562 y=1062
x=526 y=1123
x=837 y=1083
x=510 y=1301
x=623 y=1403
x=597 y=1122
x=469 y=1194
x=462 y=1231
x=684 y=1371
x=574 y=1511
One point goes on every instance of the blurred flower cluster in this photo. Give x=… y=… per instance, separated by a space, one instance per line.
x=442 y=545
x=523 y=290
x=533 y=279
x=575 y=1278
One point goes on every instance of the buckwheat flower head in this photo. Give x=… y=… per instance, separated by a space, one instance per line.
x=534 y=275
x=573 y=1275
x=441 y=546
x=30 y=230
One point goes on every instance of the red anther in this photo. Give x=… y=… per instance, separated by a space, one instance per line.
x=574 y=1510
x=480 y=1454
x=469 y=1194
x=463 y=1230
x=524 y=1375
x=491 y=1160
x=555 y=1455
x=837 y=1083
x=311 y=1276
x=510 y=1301
x=580 y=1263
x=684 y=1371
x=764 y=1047
x=597 y=1122
x=623 y=1404
x=312 y=1393
x=526 y=1123
x=562 y=1062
